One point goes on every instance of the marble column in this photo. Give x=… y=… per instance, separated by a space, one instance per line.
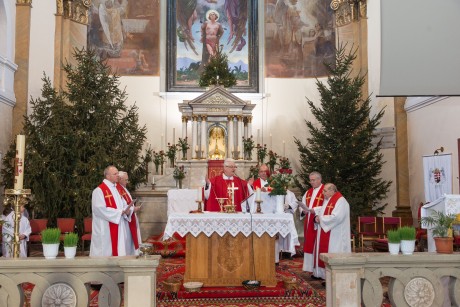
x=204 y=145
x=249 y=132
x=403 y=208
x=21 y=79
x=194 y=135
x=184 y=126
x=231 y=142
x=240 y=137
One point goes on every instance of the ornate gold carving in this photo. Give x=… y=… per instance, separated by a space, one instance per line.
x=347 y=11
x=230 y=252
x=419 y=292
x=230 y=118
x=204 y=117
x=59 y=8
x=239 y=118
x=74 y=10
x=216 y=109
x=23 y=2
x=217 y=99
x=184 y=119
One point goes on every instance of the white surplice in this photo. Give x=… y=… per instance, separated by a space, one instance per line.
x=338 y=223
x=8 y=234
x=307 y=257
x=131 y=249
x=101 y=243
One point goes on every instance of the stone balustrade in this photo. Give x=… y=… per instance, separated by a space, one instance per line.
x=68 y=280
x=421 y=279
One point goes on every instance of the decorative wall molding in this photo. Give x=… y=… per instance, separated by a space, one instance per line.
x=7 y=70
x=347 y=11
x=74 y=10
x=415 y=103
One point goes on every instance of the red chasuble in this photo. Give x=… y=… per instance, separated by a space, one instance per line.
x=324 y=236
x=219 y=190
x=110 y=203
x=133 y=223
x=258 y=184
x=309 y=225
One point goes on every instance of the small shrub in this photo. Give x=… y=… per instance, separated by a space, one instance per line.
x=393 y=236
x=407 y=233
x=70 y=239
x=51 y=235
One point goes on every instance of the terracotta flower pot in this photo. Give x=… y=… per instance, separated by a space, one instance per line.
x=444 y=245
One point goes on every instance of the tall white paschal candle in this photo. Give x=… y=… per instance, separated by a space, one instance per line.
x=198 y=194
x=19 y=162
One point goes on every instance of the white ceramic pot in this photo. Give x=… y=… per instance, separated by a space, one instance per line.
x=70 y=251
x=393 y=248
x=279 y=203
x=407 y=247
x=50 y=251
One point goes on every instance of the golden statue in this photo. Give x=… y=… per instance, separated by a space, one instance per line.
x=216 y=142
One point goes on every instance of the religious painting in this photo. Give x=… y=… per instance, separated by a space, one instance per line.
x=299 y=38
x=126 y=34
x=196 y=28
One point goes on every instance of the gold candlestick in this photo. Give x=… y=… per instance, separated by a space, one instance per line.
x=199 y=210
x=17 y=198
x=259 y=210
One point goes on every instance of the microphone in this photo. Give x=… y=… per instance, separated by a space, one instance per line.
x=244 y=191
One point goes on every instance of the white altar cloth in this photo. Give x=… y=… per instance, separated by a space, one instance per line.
x=233 y=223
x=182 y=201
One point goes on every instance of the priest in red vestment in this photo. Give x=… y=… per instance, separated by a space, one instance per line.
x=333 y=227
x=313 y=198
x=218 y=186
x=262 y=182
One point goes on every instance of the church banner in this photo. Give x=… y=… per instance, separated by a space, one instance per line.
x=437 y=170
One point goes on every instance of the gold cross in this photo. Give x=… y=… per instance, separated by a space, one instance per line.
x=109 y=196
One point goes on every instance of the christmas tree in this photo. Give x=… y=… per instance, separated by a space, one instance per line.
x=341 y=145
x=216 y=72
x=73 y=134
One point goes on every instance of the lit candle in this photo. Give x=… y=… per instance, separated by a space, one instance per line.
x=162 y=141
x=258 y=136
x=174 y=136
x=19 y=162
x=153 y=180
x=270 y=142
x=284 y=149
x=258 y=194
x=199 y=194
x=238 y=148
x=196 y=148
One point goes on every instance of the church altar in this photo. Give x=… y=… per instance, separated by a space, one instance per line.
x=226 y=249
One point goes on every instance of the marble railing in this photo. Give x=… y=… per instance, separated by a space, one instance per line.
x=66 y=282
x=421 y=279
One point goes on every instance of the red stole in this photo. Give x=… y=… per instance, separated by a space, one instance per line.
x=110 y=203
x=309 y=225
x=133 y=223
x=219 y=190
x=324 y=236
x=258 y=184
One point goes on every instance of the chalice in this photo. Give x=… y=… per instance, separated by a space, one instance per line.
x=221 y=202
x=145 y=249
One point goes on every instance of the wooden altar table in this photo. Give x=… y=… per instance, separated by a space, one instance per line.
x=225 y=249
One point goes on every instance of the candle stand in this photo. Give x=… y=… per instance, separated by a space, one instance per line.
x=259 y=210
x=200 y=209
x=17 y=198
x=153 y=186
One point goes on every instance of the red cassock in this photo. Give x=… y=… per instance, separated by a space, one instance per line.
x=219 y=189
x=258 y=184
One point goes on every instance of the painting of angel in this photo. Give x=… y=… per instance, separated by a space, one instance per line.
x=299 y=38
x=198 y=28
x=125 y=33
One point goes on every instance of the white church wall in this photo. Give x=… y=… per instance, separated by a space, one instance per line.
x=429 y=128
x=42 y=29
x=7 y=69
x=389 y=155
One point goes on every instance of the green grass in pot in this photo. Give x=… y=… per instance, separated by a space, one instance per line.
x=51 y=235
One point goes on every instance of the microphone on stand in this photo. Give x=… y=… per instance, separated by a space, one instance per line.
x=244 y=191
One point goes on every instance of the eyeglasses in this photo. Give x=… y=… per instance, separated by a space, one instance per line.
x=231 y=166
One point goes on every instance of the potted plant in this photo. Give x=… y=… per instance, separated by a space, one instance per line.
x=442 y=231
x=70 y=244
x=50 y=242
x=394 y=240
x=178 y=175
x=279 y=183
x=407 y=234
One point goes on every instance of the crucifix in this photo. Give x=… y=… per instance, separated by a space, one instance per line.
x=231 y=193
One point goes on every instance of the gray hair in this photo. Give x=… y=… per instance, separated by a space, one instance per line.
x=228 y=160
x=122 y=174
x=317 y=174
x=106 y=170
x=330 y=186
